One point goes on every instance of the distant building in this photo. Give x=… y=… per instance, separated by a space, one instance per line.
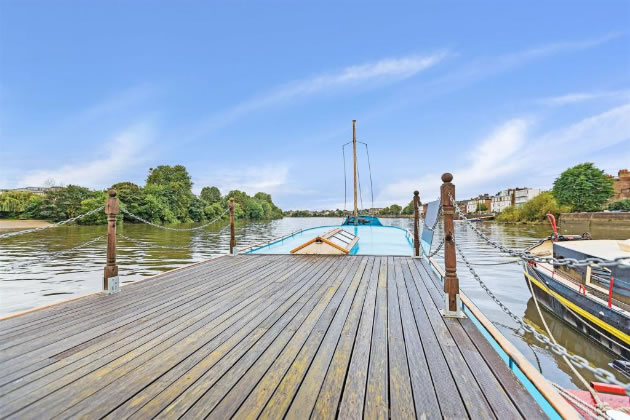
x=32 y=190
x=473 y=204
x=502 y=200
x=523 y=195
x=621 y=185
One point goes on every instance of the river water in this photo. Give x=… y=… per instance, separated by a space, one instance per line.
x=35 y=270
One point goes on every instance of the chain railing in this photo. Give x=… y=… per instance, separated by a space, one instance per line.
x=51 y=256
x=601 y=374
x=54 y=225
x=527 y=256
x=140 y=219
x=437 y=249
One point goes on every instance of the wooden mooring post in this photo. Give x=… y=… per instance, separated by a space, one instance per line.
x=452 y=302
x=416 y=221
x=232 y=235
x=111 y=282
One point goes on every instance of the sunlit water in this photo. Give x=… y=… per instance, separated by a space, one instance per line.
x=28 y=279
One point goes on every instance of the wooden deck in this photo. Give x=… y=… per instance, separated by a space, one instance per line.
x=260 y=335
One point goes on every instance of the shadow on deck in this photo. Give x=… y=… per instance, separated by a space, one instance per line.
x=269 y=335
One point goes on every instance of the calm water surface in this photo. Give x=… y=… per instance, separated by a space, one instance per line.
x=29 y=279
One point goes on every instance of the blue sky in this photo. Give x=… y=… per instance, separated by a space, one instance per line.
x=261 y=95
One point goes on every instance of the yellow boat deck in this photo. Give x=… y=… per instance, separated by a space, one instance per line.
x=269 y=336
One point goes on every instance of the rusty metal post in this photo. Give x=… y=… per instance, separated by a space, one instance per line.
x=452 y=302
x=416 y=222
x=110 y=278
x=232 y=235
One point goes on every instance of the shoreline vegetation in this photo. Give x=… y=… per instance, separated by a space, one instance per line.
x=166 y=198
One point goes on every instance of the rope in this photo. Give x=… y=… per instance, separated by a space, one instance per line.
x=601 y=374
x=345 y=182
x=51 y=256
x=140 y=219
x=370 y=170
x=54 y=225
x=600 y=405
x=359 y=180
x=593 y=411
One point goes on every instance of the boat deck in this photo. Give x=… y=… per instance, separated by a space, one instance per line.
x=259 y=335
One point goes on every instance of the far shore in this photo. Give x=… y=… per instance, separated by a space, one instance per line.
x=21 y=224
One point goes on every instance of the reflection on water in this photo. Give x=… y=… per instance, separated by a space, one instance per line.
x=80 y=272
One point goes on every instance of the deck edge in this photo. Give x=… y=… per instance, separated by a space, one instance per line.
x=543 y=386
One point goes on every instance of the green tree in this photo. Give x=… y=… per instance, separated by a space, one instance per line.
x=210 y=195
x=481 y=207
x=408 y=208
x=131 y=197
x=583 y=187
x=395 y=209
x=165 y=175
x=620 y=205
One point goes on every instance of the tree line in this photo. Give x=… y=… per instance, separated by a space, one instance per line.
x=581 y=188
x=165 y=198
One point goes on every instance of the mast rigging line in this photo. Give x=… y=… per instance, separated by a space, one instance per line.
x=367 y=151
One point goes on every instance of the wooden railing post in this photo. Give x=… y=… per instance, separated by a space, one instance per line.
x=416 y=221
x=232 y=235
x=111 y=282
x=452 y=302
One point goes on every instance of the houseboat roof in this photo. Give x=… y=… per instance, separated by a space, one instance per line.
x=604 y=248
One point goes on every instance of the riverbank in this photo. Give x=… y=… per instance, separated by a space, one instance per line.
x=14 y=224
x=596 y=222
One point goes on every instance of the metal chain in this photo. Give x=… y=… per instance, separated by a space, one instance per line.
x=437 y=218
x=54 y=225
x=149 y=244
x=53 y=255
x=434 y=253
x=527 y=256
x=601 y=374
x=140 y=219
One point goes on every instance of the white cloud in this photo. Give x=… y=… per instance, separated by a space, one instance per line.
x=271 y=178
x=577 y=97
x=126 y=150
x=385 y=70
x=512 y=151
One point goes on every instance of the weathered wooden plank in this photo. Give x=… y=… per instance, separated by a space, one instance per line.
x=313 y=327
x=210 y=389
x=400 y=394
x=234 y=388
x=469 y=389
x=212 y=321
x=72 y=306
x=499 y=398
x=122 y=341
x=324 y=405
x=353 y=397
x=377 y=393
x=313 y=358
x=449 y=398
x=425 y=398
x=111 y=306
x=31 y=358
x=184 y=354
x=152 y=399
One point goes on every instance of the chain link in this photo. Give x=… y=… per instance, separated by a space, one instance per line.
x=149 y=244
x=527 y=256
x=53 y=255
x=54 y=225
x=434 y=253
x=601 y=374
x=140 y=219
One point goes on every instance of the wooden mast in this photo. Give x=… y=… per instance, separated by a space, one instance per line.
x=354 y=158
